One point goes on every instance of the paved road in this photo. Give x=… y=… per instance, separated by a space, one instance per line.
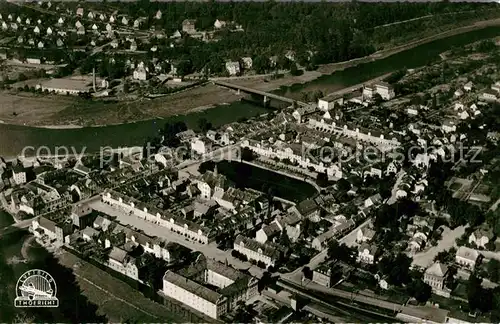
x=422 y=17
x=152 y=229
x=485 y=283
x=426 y=258
x=395 y=189
x=495 y=205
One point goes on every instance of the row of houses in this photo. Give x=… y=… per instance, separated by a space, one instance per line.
x=387 y=141
x=293 y=152
x=139 y=209
x=81 y=223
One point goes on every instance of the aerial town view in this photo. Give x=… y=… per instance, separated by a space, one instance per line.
x=249 y=162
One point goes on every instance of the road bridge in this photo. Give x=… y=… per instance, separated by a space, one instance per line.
x=267 y=95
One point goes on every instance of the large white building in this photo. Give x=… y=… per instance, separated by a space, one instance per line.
x=212 y=184
x=385 y=90
x=121 y=262
x=329 y=102
x=435 y=276
x=367 y=253
x=188 y=286
x=65 y=86
x=19 y=175
x=140 y=73
x=467 y=257
x=201 y=145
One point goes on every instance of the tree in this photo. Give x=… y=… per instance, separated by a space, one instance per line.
x=377 y=99
x=206 y=166
x=247 y=154
x=446 y=257
x=204 y=125
x=318 y=94
x=184 y=68
x=493 y=270
x=284 y=239
x=307 y=273
x=495 y=306
x=264 y=281
x=340 y=252
x=322 y=179
x=396 y=268
x=261 y=64
x=474 y=291
x=343 y=185
x=126 y=87
x=420 y=290
x=294 y=70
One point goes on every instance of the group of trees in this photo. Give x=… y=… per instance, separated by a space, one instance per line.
x=273 y=28
x=341 y=252
x=483 y=299
x=167 y=137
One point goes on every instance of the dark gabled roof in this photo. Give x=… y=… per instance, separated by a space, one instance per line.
x=307 y=207
x=271 y=229
x=90 y=231
x=118 y=254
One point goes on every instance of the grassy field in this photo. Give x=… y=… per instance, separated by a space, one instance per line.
x=5 y=219
x=115 y=298
x=23 y=108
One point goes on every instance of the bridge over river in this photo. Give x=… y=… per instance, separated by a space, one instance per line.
x=267 y=95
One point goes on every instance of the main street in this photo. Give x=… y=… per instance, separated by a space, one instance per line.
x=209 y=250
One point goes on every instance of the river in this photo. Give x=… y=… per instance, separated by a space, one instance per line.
x=14 y=138
x=411 y=58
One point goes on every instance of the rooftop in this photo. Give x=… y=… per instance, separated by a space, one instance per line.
x=191 y=286
x=66 y=84
x=467 y=253
x=437 y=269
x=267 y=249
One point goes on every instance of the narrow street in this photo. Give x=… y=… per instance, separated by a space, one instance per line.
x=394 y=191
x=426 y=258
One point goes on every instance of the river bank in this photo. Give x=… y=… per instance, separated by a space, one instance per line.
x=373 y=68
x=14 y=138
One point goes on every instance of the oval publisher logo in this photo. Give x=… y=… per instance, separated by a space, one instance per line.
x=36 y=288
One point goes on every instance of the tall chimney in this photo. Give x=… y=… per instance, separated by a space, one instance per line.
x=93 y=79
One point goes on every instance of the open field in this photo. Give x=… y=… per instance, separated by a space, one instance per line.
x=39 y=110
x=266 y=84
x=115 y=298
